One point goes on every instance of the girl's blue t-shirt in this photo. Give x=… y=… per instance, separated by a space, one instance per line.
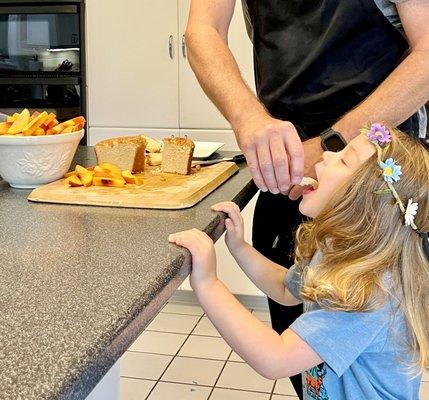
x=364 y=353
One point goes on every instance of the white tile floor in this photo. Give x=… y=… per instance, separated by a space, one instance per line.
x=181 y=356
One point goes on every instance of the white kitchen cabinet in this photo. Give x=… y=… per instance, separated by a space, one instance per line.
x=196 y=110
x=228 y=270
x=137 y=72
x=132 y=75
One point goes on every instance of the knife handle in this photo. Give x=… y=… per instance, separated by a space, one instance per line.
x=239 y=158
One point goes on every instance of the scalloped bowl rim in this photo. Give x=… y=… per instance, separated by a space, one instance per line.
x=12 y=140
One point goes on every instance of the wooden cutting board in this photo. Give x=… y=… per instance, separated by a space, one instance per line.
x=159 y=190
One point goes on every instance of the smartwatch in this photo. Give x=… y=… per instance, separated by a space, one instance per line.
x=332 y=140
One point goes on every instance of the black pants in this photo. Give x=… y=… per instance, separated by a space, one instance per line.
x=275 y=221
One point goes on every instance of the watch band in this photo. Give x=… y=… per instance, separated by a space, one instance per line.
x=332 y=140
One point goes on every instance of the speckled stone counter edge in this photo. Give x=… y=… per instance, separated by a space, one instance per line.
x=101 y=364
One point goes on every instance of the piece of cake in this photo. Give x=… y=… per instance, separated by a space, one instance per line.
x=128 y=153
x=306 y=181
x=177 y=155
x=152 y=145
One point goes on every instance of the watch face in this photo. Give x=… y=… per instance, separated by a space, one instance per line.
x=334 y=143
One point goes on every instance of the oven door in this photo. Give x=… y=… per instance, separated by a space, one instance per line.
x=39 y=39
x=60 y=96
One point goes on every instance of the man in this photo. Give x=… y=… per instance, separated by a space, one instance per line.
x=323 y=69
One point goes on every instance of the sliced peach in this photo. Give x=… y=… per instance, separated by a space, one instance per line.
x=53 y=123
x=73 y=181
x=35 y=124
x=111 y=168
x=90 y=168
x=57 y=129
x=13 y=118
x=20 y=123
x=84 y=175
x=83 y=171
x=69 y=174
x=51 y=117
x=69 y=129
x=86 y=180
x=106 y=179
x=34 y=115
x=4 y=127
x=130 y=178
x=39 y=132
x=78 y=127
x=79 y=121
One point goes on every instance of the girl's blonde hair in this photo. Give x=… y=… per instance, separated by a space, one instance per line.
x=362 y=237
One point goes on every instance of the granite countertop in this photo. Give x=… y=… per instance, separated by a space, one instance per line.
x=80 y=283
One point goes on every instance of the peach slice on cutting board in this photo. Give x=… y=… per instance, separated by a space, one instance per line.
x=106 y=179
x=73 y=181
x=84 y=175
x=110 y=168
x=132 y=179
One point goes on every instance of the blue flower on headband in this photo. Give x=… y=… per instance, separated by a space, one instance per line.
x=391 y=171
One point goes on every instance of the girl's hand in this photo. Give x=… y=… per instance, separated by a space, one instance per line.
x=234 y=224
x=203 y=255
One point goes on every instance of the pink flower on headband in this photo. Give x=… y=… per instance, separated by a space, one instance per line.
x=379 y=134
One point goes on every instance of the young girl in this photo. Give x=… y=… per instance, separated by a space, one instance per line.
x=361 y=268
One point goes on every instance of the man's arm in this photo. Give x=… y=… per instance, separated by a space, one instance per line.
x=272 y=147
x=406 y=89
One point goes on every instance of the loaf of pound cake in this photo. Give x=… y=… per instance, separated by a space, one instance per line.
x=127 y=152
x=177 y=155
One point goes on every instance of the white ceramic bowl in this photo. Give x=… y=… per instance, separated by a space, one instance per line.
x=27 y=162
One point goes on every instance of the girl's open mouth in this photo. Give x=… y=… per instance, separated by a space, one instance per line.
x=308 y=190
x=309 y=184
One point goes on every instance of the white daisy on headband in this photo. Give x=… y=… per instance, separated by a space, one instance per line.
x=410 y=212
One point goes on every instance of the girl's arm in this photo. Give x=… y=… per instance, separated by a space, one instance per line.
x=272 y=355
x=265 y=274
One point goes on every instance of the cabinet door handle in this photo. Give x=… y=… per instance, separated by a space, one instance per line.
x=183 y=46
x=171 y=46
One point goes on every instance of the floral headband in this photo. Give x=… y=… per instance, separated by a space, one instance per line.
x=379 y=135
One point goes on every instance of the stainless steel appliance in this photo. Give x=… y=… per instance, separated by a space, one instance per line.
x=42 y=57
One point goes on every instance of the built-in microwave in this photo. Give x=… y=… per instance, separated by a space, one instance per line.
x=39 y=38
x=42 y=57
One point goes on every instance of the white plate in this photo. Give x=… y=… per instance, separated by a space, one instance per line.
x=206 y=149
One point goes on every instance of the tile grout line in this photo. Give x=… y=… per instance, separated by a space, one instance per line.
x=175 y=313
x=220 y=373
x=222 y=369
x=205 y=386
x=177 y=352
x=182 y=356
x=177 y=355
x=181 y=333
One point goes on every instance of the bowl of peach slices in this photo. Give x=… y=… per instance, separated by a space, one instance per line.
x=36 y=148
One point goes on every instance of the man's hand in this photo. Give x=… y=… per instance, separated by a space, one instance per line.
x=203 y=255
x=274 y=152
x=313 y=154
x=234 y=225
